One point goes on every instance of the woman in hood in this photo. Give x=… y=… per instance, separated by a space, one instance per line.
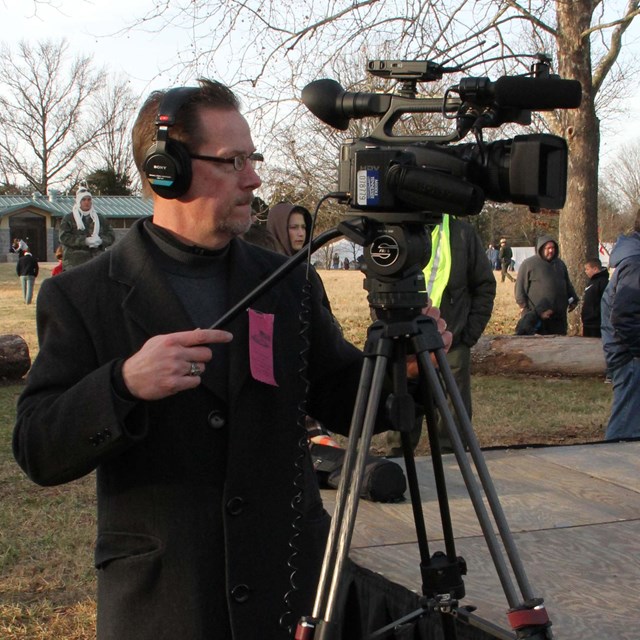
x=290 y=225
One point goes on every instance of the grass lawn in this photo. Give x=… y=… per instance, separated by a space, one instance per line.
x=47 y=582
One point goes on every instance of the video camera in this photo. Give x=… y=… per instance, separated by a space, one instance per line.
x=383 y=174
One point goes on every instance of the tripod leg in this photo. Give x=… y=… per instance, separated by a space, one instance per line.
x=441 y=576
x=343 y=522
x=527 y=617
x=463 y=463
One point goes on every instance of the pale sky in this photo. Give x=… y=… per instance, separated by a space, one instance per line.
x=98 y=28
x=151 y=60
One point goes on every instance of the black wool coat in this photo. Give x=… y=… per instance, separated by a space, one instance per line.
x=194 y=491
x=590 y=313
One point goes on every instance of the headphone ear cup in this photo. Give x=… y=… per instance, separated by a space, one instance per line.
x=168 y=169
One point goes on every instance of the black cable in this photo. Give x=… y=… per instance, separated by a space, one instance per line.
x=303 y=441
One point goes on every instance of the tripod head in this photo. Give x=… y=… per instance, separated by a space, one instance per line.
x=395 y=254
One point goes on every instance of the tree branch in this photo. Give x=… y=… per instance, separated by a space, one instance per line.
x=531 y=18
x=607 y=62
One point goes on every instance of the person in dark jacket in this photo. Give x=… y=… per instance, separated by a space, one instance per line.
x=590 y=313
x=545 y=276
x=530 y=323
x=201 y=468
x=621 y=335
x=460 y=278
x=27 y=269
x=493 y=257
x=505 y=256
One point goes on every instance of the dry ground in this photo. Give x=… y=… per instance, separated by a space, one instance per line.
x=508 y=410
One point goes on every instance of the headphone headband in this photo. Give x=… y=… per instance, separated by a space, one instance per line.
x=171 y=102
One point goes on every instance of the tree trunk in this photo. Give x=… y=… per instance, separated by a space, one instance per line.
x=542 y=355
x=581 y=128
x=14 y=357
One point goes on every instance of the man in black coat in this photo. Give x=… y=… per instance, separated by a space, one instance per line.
x=590 y=313
x=202 y=469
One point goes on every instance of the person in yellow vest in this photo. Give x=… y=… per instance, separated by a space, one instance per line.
x=460 y=281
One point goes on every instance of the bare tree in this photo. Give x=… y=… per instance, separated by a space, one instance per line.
x=114 y=104
x=45 y=122
x=612 y=220
x=588 y=43
x=621 y=181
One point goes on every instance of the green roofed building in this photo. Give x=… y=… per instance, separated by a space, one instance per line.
x=36 y=219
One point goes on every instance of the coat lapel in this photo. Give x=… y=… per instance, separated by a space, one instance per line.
x=151 y=303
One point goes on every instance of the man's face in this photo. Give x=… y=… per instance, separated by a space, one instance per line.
x=549 y=250
x=217 y=206
x=85 y=203
x=297 y=229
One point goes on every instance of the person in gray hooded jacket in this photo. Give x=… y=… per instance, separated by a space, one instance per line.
x=620 y=309
x=542 y=276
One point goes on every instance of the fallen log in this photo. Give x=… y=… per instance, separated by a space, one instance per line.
x=14 y=357
x=541 y=355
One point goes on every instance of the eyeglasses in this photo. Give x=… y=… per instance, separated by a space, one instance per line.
x=239 y=162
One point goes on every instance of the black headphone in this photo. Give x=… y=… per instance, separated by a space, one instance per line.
x=167 y=164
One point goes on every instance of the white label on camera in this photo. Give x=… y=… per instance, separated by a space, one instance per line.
x=367 y=190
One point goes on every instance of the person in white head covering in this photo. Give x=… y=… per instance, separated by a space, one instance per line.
x=84 y=233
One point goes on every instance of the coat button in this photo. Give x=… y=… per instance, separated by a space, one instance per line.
x=236 y=506
x=240 y=593
x=216 y=419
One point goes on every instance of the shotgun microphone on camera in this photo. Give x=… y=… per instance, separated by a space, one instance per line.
x=520 y=92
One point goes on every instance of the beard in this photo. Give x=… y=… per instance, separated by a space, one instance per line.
x=234 y=226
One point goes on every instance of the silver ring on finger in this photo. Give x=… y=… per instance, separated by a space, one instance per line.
x=194 y=369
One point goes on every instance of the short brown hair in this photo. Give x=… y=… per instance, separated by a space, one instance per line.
x=187 y=129
x=593 y=262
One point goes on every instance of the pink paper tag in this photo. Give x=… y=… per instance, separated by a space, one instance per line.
x=261 y=346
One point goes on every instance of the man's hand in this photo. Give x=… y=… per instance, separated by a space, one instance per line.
x=434 y=312
x=170 y=363
x=447 y=337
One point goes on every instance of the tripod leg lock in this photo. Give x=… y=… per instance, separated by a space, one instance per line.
x=441 y=576
x=310 y=628
x=530 y=614
x=306 y=628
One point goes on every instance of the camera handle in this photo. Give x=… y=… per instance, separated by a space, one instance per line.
x=385 y=351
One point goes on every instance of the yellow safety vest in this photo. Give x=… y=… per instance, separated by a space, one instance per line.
x=437 y=272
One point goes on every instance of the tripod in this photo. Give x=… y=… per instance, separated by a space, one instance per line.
x=399 y=330
x=397 y=294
